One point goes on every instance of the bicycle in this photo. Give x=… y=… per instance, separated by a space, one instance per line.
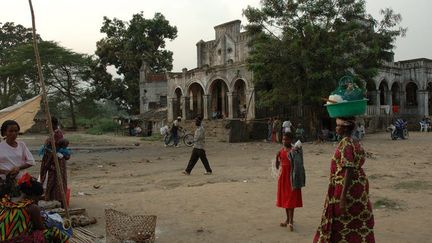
x=184 y=135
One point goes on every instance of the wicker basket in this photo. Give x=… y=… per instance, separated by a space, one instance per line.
x=121 y=227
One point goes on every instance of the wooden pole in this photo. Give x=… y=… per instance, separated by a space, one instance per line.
x=47 y=112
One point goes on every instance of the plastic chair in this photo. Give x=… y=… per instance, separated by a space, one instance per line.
x=424 y=127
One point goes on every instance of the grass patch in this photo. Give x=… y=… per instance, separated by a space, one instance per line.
x=103 y=126
x=385 y=203
x=414 y=185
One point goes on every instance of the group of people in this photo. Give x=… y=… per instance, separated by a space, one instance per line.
x=347 y=214
x=20 y=192
x=276 y=129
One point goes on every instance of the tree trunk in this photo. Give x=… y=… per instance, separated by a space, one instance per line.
x=72 y=111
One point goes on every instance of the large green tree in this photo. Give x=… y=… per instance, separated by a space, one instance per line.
x=66 y=73
x=13 y=85
x=126 y=45
x=300 y=48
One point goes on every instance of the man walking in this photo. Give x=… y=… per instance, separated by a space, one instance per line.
x=198 y=151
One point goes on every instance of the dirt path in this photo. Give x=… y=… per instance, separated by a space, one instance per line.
x=237 y=202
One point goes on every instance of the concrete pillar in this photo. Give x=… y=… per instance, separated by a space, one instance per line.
x=185 y=108
x=230 y=105
x=422 y=101
x=402 y=106
x=206 y=102
x=378 y=102
x=170 y=107
x=223 y=96
x=389 y=101
x=250 y=105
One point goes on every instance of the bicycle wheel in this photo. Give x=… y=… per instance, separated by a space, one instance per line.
x=168 y=140
x=188 y=140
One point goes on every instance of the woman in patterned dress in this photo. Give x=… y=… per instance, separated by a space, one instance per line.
x=347 y=215
x=287 y=197
x=52 y=191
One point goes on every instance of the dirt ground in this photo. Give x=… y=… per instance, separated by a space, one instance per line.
x=237 y=202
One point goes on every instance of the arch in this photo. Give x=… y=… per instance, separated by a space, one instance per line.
x=218 y=91
x=383 y=88
x=215 y=78
x=395 y=91
x=177 y=102
x=195 y=82
x=196 y=101
x=239 y=98
x=411 y=94
x=173 y=91
x=371 y=92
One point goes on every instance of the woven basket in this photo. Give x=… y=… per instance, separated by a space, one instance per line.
x=121 y=227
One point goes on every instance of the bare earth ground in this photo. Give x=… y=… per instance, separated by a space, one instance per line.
x=237 y=202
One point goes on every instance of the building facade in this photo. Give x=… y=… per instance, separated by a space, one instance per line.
x=221 y=85
x=402 y=88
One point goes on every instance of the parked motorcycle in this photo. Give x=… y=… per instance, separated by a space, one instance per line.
x=398 y=130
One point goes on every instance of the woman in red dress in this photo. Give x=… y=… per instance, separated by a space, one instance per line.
x=347 y=215
x=287 y=197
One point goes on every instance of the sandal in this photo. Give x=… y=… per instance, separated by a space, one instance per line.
x=283 y=224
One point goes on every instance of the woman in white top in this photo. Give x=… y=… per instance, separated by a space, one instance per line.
x=14 y=155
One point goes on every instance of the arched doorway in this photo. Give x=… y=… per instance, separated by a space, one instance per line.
x=395 y=91
x=196 y=105
x=177 y=103
x=219 y=99
x=383 y=88
x=429 y=89
x=371 y=92
x=411 y=95
x=239 y=99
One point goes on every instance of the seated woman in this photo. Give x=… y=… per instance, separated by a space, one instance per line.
x=24 y=212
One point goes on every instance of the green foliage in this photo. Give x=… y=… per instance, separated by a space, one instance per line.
x=13 y=86
x=126 y=46
x=103 y=125
x=300 y=49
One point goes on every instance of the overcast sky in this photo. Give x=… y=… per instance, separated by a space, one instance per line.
x=75 y=24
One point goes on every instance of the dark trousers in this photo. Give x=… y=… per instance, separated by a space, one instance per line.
x=198 y=154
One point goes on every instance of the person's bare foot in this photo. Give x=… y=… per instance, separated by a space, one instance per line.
x=283 y=224
x=185 y=173
x=291 y=227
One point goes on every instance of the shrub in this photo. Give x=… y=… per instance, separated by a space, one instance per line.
x=101 y=126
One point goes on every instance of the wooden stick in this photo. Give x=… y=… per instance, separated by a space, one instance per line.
x=47 y=112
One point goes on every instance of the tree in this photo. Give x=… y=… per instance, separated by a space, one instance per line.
x=12 y=85
x=300 y=48
x=126 y=46
x=66 y=73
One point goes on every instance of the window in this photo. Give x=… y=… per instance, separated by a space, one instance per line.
x=163 y=100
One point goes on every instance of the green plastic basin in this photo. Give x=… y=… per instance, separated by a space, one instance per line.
x=346 y=109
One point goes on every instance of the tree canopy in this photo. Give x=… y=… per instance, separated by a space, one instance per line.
x=12 y=85
x=126 y=45
x=300 y=48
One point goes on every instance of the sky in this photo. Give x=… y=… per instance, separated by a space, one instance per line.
x=75 y=24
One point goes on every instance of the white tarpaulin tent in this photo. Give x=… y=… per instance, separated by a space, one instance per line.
x=23 y=113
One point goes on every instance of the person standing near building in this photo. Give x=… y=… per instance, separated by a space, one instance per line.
x=278 y=130
x=286 y=126
x=198 y=151
x=174 y=132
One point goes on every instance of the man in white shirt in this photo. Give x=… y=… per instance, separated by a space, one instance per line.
x=286 y=126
